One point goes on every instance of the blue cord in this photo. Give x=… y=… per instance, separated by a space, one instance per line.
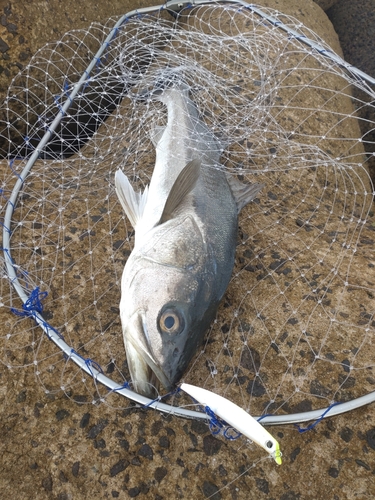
x=311 y=426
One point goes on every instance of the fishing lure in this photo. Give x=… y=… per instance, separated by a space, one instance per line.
x=237 y=418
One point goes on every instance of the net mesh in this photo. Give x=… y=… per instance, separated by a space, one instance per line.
x=295 y=329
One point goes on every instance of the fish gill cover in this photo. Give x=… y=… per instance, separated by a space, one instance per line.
x=294 y=331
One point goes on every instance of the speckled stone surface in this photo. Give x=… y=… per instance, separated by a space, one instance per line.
x=325 y=4
x=354 y=22
x=26 y=26
x=55 y=448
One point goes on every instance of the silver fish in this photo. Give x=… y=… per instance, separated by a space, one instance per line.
x=185 y=237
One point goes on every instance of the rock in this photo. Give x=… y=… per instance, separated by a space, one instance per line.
x=160 y=473
x=211 y=445
x=47 y=23
x=370 y=437
x=325 y=4
x=146 y=451
x=61 y=414
x=4 y=47
x=210 y=490
x=118 y=467
x=84 y=420
x=354 y=22
x=95 y=430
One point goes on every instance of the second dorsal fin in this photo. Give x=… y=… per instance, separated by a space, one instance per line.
x=243 y=193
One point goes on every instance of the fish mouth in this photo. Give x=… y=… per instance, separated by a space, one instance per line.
x=146 y=373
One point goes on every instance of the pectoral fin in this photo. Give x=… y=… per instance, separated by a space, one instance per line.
x=243 y=193
x=133 y=203
x=182 y=186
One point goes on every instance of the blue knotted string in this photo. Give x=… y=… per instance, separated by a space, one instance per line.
x=156 y=400
x=32 y=305
x=66 y=87
x=57 y=101
x=125 y=385
x=264 y=416
x=6 y=250
x=90 y=363
x=48 y=327
x=217 y=425
x=231 y=434
x=311 y=426
x=5 y=197
x=5 y=227
x=159 y=398
x=12 y=169
x=87 y=81
x=152 y=402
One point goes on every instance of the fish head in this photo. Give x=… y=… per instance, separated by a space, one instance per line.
x=167 y=303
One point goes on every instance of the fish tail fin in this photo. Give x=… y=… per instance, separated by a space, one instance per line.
x=170 y=78
x=132 y=202
x=165 y=80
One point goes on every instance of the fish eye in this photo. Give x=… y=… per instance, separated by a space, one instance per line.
x=171 y=321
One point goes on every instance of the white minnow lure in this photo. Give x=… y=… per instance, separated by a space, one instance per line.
x=236 y=417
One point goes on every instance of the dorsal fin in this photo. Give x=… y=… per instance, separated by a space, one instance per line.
x=243 y=193
x=182 y=186
x=156 y=133
x=133 y=203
